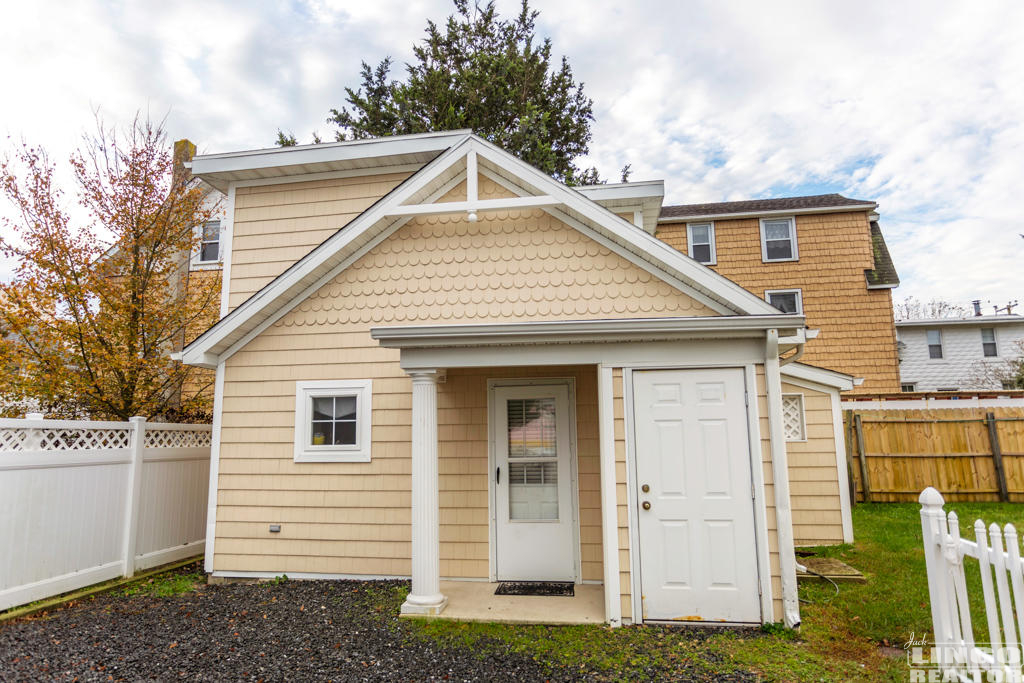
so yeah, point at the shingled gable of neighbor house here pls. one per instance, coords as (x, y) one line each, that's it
(431, 184)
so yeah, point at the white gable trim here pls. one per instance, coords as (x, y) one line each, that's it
(309, 273)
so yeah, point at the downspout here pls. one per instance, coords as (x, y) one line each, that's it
(780, 472)
(792, 357)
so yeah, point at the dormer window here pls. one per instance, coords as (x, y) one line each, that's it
(209, 244)
(778, 239)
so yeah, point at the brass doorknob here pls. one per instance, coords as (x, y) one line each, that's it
(646, 505)
(645, 488)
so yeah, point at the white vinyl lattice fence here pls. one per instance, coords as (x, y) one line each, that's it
(958, 653)
(83, 502)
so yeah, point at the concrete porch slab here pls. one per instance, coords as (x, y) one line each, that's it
(476, 601)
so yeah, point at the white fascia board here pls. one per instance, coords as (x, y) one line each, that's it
(772, 212)
(703, 277)
(278, 157)
(980, 321)
(423, 336)
(809, 373)
(638, 190)
(246, 316)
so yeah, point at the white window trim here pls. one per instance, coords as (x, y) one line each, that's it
(803, 416)
(912, 385)
(208, 265)
(305, 392)
(792, 232)
(795, 290)
(711, 238)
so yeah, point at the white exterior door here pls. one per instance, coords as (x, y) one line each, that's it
(533, 503)
(698, 553)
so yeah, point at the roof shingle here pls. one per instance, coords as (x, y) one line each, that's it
(818, 201)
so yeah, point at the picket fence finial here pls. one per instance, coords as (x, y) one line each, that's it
(930, 497)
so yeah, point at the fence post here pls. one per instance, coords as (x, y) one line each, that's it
(848, 435)
(864, 484)
(34, 437)
(132, 502)
(997, 456)
(933, 525)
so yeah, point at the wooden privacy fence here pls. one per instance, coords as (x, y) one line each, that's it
(969, 454)
(84, 502)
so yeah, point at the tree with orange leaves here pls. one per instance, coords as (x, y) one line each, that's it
(100, 297)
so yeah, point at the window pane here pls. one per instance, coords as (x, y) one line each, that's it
(777, 249)
(699, 234)
(345, 408)
(935, 351)
(776, 230)
(209, 251)
(323, 408)
(785, 302)
(531, 428)
(211, 231)
(934, 337)
(320, 434)
(988, 334)
(533, 490)
(701, 253)
(344, 433)
(989, 349)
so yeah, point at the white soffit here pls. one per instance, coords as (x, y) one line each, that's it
(810, 373)
(645, 196)
(399, 151)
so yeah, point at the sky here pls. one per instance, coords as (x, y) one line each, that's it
(916, 105)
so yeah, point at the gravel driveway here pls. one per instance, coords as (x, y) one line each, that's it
(292, 631)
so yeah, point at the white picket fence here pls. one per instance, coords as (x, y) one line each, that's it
(83, 502)
(957, 653)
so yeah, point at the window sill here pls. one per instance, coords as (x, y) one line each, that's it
(206, 265)
(779, 260)
(332, 456)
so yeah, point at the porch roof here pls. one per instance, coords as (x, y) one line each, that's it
(791, 328)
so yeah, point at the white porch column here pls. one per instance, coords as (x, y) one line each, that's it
(609, 502)
(425, 596)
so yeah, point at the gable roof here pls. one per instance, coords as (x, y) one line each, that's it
(432, 181)
(808, 204)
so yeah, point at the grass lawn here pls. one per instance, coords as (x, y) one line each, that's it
(839, 639)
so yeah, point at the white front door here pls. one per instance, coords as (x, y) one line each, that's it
(698, 554)
(534, 521)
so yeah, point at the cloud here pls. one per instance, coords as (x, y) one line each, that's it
(916, 105)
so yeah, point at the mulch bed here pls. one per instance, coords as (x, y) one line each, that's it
(292, 631)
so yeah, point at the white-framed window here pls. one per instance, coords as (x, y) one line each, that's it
(778, 240)
(700, 242)
(793, 421)
(934, 343)
(908, 386)
(332, 420)
(786, 300)
(209, 243)
(988, 342)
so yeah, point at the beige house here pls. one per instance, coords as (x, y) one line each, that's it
(436, 362)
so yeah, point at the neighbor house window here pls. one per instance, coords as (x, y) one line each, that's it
(786, 300)
(908, 386)
(947, 389)
(988, 341)
(778, 239)
(209, 243)
(700, 238)
(934, 344)
(332, 421)
(793, 417)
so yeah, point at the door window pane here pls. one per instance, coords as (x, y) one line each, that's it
(531, 428)
(533, 490)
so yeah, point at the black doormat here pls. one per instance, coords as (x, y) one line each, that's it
(560, 589)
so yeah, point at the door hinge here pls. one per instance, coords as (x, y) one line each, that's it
(752, 494)
(746, 398)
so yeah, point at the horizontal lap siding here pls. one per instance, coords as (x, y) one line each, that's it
(813, 477)
(857, 330)
(509, 266)
(276, 225)
(769, 494)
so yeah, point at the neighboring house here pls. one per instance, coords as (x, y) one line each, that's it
(822, 256)
(438, 362)
(957, 354)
